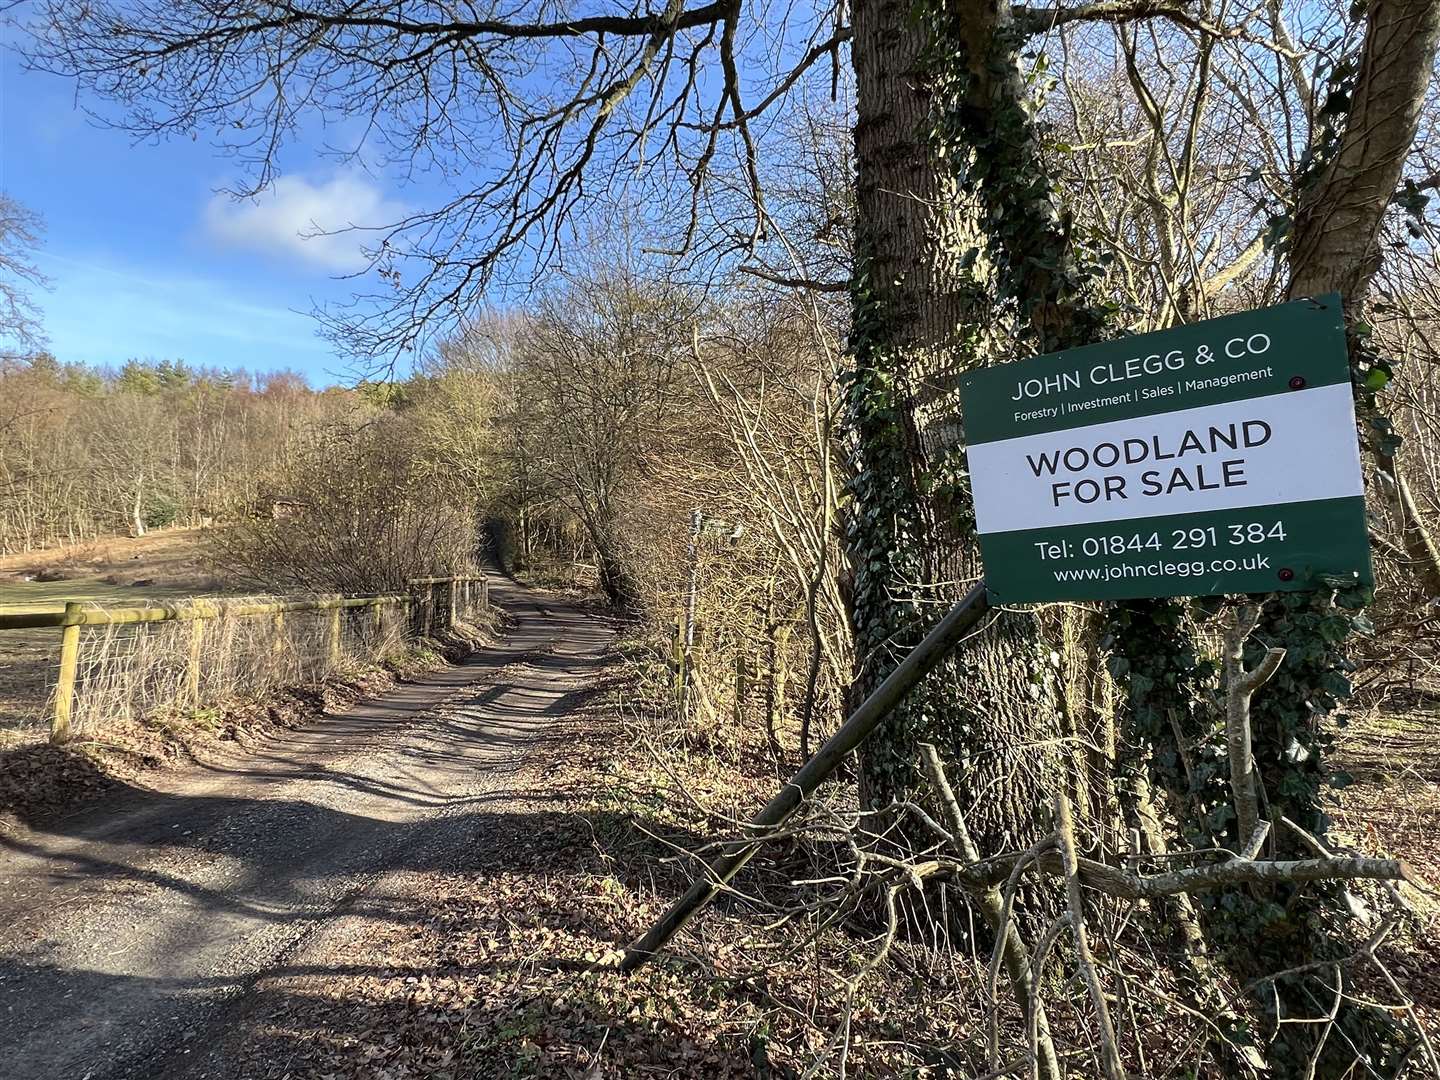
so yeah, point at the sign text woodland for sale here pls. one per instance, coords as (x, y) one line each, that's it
(1216, 457)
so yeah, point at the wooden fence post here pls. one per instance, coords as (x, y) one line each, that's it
(335, 630)
(742, 686)
(192, 670)
(779, 668)
(450, 603)
(69, 664)
(277, 646)
(677, 662)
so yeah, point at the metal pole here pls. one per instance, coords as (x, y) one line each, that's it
(956, 624)
(687, 643)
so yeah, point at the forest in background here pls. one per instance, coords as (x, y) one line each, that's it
(90, 452)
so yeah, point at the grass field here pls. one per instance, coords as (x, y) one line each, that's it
(116, 571)
(111, 570)
(92, 589)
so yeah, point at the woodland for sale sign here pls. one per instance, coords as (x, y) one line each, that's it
(1217, 457)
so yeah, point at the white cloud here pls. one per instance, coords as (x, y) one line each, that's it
(105, 310)
(297, 218)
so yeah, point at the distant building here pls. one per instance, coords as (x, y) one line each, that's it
(285, 506)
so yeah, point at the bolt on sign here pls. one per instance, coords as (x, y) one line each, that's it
(1218, 457)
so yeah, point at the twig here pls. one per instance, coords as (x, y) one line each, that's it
(1240, 687)
(1065, 835)
(992, 907)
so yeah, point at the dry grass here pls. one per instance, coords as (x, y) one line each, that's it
(127, 672)
(130, 672)
(168, 563)
(1394, 804)
(129, 721)
(38, 780)
(1393, 809)
(116, 570)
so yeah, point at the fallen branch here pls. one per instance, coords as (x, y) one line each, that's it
(1124, 885)
(1069, 863)
(936, 645)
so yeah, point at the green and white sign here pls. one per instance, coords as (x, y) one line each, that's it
(1216, 457)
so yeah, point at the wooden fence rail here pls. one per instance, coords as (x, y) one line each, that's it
(432, 604)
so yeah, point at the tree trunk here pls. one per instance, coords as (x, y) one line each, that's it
(1341, 209)
(905, 317)
(899, 186)
(1338, 217)
(615, 581)
(137, 519)
(1333, 244)
(916, 307)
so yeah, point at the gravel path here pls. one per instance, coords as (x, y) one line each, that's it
(130, 934)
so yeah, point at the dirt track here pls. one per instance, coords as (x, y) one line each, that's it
(129, 934)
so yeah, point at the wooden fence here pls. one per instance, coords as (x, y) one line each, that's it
(429, 607)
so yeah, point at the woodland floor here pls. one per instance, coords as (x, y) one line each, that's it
(480, 855)
(489, 979)
(1393, 808)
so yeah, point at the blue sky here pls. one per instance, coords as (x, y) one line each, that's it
(149, 259)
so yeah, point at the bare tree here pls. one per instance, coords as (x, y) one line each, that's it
(19, 278)
(527, 111)
(357, 510)
(605, 356)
